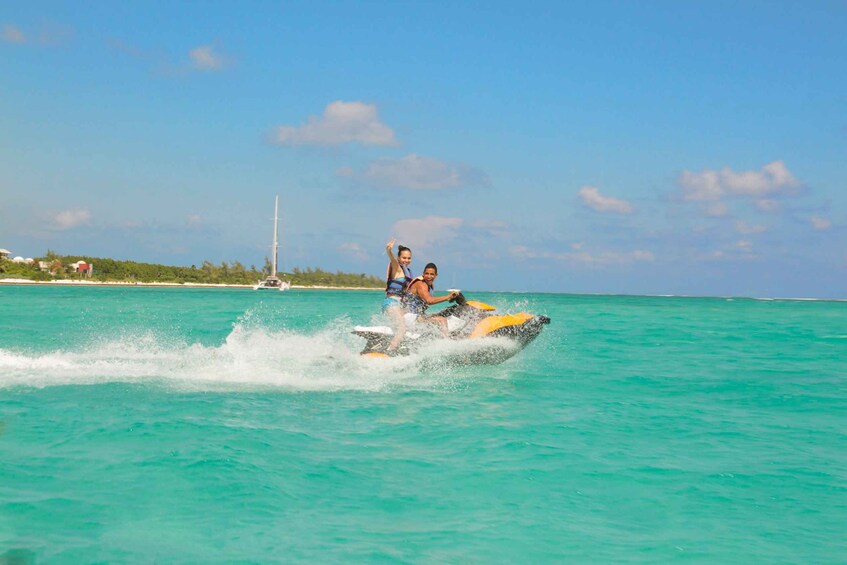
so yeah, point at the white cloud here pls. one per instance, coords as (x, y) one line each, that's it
(497, 228)
(741, 250)
(415, 172)
(48, 34)
(744, 246)
(353, 250)
(194, 219)
(342, 122)
(819, 223)
(767, 205)
(592, 198)
(12, 34)
(67, 219)
(425, 232)
(642, 255)
(578, 255)
(717, 209)
(204, 58)
(712, 185)
(744, 228)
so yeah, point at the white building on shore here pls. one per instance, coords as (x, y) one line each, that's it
(54, 267)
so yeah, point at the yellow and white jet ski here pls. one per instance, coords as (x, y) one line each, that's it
(467, 320)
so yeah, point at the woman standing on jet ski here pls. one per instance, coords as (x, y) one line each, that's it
(419, 297)
(397, 280)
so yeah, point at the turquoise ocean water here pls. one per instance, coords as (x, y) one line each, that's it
(219, 425)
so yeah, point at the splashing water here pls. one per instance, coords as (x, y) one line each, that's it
(250, 357)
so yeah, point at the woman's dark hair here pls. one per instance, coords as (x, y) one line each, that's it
(402, 248)
(431, 266)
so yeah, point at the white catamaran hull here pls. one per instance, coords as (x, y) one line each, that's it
(272, 284)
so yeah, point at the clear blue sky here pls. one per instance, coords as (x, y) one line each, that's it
(610, 147)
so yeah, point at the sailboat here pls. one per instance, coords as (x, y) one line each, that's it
(273, 282)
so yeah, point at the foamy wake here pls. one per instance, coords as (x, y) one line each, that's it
(248, 359)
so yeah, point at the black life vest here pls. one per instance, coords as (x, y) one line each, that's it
(412, 302)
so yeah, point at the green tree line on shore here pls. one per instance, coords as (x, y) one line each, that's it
(112, 270)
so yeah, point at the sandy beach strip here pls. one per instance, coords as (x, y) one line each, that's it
(68, 282)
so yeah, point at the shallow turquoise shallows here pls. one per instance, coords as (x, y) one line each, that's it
(177, 425)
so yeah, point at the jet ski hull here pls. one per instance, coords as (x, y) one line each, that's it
(486, 338)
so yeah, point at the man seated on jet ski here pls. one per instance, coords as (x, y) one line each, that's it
(419, 297)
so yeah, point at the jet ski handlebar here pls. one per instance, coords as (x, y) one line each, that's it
(459, 299)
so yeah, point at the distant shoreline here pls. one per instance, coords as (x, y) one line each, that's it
(68, 282)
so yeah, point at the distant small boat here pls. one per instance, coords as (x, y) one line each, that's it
(273, 282)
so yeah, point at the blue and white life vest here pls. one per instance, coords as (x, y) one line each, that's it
(397, 287)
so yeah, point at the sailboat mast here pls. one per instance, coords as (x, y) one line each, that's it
(276, 246)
